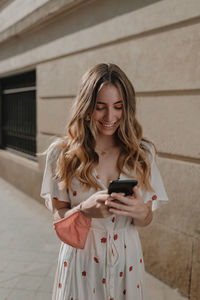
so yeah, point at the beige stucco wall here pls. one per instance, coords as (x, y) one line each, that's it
(157, 44)
(12, 12)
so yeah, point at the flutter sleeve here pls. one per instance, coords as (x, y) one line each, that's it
(72, 230)
(159, 196)
(50, 189)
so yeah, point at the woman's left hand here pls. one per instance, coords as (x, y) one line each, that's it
(132, 206)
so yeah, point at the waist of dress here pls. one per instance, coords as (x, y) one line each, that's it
(111, 230)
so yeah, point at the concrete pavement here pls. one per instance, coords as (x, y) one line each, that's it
(29, 250)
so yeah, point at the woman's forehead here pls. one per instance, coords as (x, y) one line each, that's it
(108, 92)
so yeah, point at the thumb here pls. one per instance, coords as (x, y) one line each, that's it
(136, 192)
(99, 205)
(149, 204)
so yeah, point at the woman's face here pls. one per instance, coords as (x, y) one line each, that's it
(108, 110)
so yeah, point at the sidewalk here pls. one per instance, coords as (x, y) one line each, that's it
(29, 250)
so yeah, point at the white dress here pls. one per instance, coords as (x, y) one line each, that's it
(111, 266)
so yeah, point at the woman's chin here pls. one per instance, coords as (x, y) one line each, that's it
(107, 132)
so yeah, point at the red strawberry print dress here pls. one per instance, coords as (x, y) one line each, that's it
(111, 266)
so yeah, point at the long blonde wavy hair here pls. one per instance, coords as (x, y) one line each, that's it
(78, 157)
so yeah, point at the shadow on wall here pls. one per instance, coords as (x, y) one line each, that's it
(98, 12)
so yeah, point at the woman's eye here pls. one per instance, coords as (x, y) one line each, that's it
(101, 107)
(118, 106)
(98, 107)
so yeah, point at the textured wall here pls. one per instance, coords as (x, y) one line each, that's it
(13, 11)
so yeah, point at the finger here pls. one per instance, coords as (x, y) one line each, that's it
(106, 198)
(107, 214)
(103, 192)
(136, 192)
(103, 198)
(119, 194)
(99, 205)
(149, 204)
(119, 212)
(119, 206)
(120, 197)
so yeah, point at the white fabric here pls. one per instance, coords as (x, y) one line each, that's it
(111, 264)
(50, 188)
(155, 181)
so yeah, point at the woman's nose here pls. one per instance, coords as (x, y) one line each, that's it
(108, 115)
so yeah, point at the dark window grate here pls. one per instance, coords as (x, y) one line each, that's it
(19, 113)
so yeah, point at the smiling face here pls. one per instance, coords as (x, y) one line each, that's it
(108, 109)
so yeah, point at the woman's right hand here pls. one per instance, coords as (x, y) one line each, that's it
(94, 206)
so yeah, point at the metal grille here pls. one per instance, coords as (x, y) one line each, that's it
(19, 113)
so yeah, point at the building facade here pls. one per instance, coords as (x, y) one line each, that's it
(157, 44)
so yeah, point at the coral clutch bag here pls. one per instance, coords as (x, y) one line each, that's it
(73, 230)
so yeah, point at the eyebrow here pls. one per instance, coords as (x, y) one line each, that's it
(100, 102)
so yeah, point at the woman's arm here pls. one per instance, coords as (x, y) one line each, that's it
(90, 208)
(62, 209)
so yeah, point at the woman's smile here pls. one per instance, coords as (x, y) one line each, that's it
(108, 125)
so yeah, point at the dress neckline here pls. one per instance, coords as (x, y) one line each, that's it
(100, 181)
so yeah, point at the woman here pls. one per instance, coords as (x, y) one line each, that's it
(104, 142)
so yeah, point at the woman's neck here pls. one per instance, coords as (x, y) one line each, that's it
(105, 142)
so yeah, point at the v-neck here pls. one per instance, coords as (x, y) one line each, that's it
(100, 181)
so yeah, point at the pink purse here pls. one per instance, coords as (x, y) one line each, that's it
(73, 230)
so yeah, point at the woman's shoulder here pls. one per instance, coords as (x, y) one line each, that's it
(54, 149)
(149, 147)
(147, 144)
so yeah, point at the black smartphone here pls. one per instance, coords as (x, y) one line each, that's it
(122, 186)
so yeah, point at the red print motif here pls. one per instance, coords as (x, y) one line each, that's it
(103, 240)
(96, 259)
(131, 268)
(74, 193)
(121, 274)
(65, 264)
(60, 285)
(154, 197)
(84, 273)
(55, 198)
(113, 253)
(113, 219)
(115, 237)
(138, 286)
(97, 176)
(103, 280)
(111, 298)
(140, 260)
(124, 291)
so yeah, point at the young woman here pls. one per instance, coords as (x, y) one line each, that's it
(100, 255)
